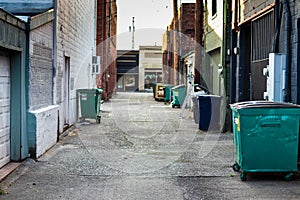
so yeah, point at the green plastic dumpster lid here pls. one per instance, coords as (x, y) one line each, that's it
(262, 104)
(178, 86)
(99, 90)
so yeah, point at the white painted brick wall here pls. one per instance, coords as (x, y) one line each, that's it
(75, 31)
(41, 67)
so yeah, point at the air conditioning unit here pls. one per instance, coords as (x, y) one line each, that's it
(276, 77)
(96, 65)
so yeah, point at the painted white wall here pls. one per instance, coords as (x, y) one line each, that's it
(75, 39)
(46, 128)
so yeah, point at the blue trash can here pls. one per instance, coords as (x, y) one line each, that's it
(196, 105)
(209, 112)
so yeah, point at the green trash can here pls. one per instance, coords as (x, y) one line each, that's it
(178, 95)
(167, 92)
(266, 137)
(90, 103)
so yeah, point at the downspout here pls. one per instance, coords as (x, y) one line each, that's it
(54, 51)
(54, 65)
(278, 17)
(287, 40)
(24, 150)
(233, 56)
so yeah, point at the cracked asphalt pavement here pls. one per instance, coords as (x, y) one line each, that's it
(141, 149)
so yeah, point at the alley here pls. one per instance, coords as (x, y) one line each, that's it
(141, 149)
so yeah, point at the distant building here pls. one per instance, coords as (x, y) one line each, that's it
(106, 46)
(150, 66)
(178, 40)
(127, 70)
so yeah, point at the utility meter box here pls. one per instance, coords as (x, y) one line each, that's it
(276, 77)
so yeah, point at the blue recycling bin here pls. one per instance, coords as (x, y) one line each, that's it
(195, 97)
(209, 112)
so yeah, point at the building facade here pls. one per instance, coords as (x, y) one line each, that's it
(178, 41)
(13, 51)
(268, 27)
(42, 113)
(60, 39)
(75, 46)
(150, 66)
(106, 46)
(127, 71)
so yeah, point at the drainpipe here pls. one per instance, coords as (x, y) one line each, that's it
(287, 40)
(233, 56)
(54, 64)
(278, 17)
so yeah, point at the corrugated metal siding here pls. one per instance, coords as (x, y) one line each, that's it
(262, 35)
(262, 31)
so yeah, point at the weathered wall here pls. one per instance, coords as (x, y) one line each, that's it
(106, 46)
(41, 66)
(252, 7)
(75, 40)
(42, 130)
(13, 43)
(42, 115)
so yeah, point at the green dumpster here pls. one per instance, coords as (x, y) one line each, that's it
(266, 137)
(167, 92)
(178, 95)
(89, 103)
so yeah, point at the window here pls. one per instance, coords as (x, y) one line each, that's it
(213, 7)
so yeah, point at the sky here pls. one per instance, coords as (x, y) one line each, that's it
(151, 20)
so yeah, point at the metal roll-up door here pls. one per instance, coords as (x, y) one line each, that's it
(4, 109)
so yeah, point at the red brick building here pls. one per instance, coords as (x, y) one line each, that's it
(178, 41)
(106, 46)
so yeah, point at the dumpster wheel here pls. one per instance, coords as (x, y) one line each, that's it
(98, 120)
(243, 176)
(288, 177)
(236, 167)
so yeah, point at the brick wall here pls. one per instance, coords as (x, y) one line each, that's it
(187, 27)
(75, 40)
(106, 45)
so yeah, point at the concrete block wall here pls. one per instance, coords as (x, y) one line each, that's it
(41, 66)
(75, 40)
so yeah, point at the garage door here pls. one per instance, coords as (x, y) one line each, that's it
(4, 110)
